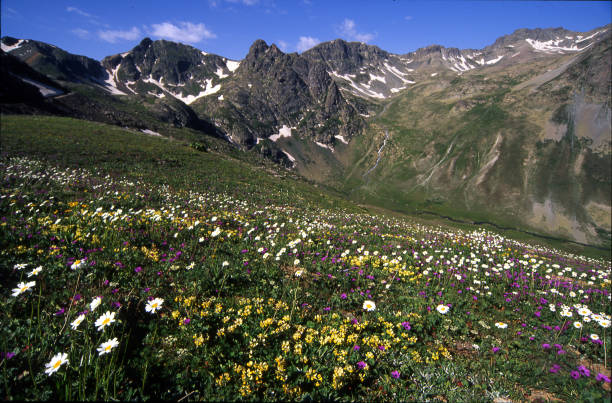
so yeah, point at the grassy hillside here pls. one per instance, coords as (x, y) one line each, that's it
(138, 268)
(221, 168)
(490, 149)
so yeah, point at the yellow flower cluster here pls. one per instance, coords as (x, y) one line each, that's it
(198, 339)
(251, 376)
(313, 376)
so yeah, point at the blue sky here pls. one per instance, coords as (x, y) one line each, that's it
(229, 27)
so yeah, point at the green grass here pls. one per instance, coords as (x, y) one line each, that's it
(423, 124)
(269, 288)
(69, 142)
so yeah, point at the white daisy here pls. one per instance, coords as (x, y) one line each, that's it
(369, 305)
(584, 311)
(107, 346)
(78, 264)
(95, 303)
(23, 287)
(501, 325)
(57, 361)
(75, 323)
(35, 271)
(442, 309)
(105, 320)
(154, 305)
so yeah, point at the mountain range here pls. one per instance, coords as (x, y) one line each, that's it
(516, 134)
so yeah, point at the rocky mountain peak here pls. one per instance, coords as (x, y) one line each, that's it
(344, 56)
(257, 48)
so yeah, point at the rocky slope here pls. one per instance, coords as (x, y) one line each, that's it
(517, 132)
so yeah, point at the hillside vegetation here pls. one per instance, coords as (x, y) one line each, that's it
(141, 267)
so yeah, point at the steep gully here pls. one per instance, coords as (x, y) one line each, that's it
(379, 153)
(384, 141)
(476, 223)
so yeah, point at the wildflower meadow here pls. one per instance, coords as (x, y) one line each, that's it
(117, 286)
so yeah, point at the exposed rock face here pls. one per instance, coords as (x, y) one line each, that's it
(535, 103)
(272, 89)
(53, 61)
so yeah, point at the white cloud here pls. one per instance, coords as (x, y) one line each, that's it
(78, 11)
(81, 33)
(348, 30)
(184, 32)
(215, 3)
(283, 45)
(307, 42)
(113, 36)
(245, 2)
(408, 17)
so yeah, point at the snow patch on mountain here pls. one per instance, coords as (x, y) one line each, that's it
(232, 65)
(360, 89)
(10, 48)
(324, 146)
(162, 95)
(111, 82)
(209, 89)
(151, 132)
(581, 39)
(291, 158)
(497, 59)
(552, 46)
(284, 131)
(460, 64)
(379, 78)
(341, 138)
(221, 73)
(44, 89)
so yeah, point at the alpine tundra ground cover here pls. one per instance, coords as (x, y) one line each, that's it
(124, 283)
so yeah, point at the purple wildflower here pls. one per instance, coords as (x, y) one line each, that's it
(555, 368)
(356, 348)
(495, 349)
(575, 374)
(601, 377)
(584, 371)
(395, 374)
(361, 365)
(138, 269)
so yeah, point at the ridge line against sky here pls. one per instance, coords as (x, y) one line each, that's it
(229, 27)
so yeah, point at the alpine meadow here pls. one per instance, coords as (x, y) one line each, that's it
(339, 223)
